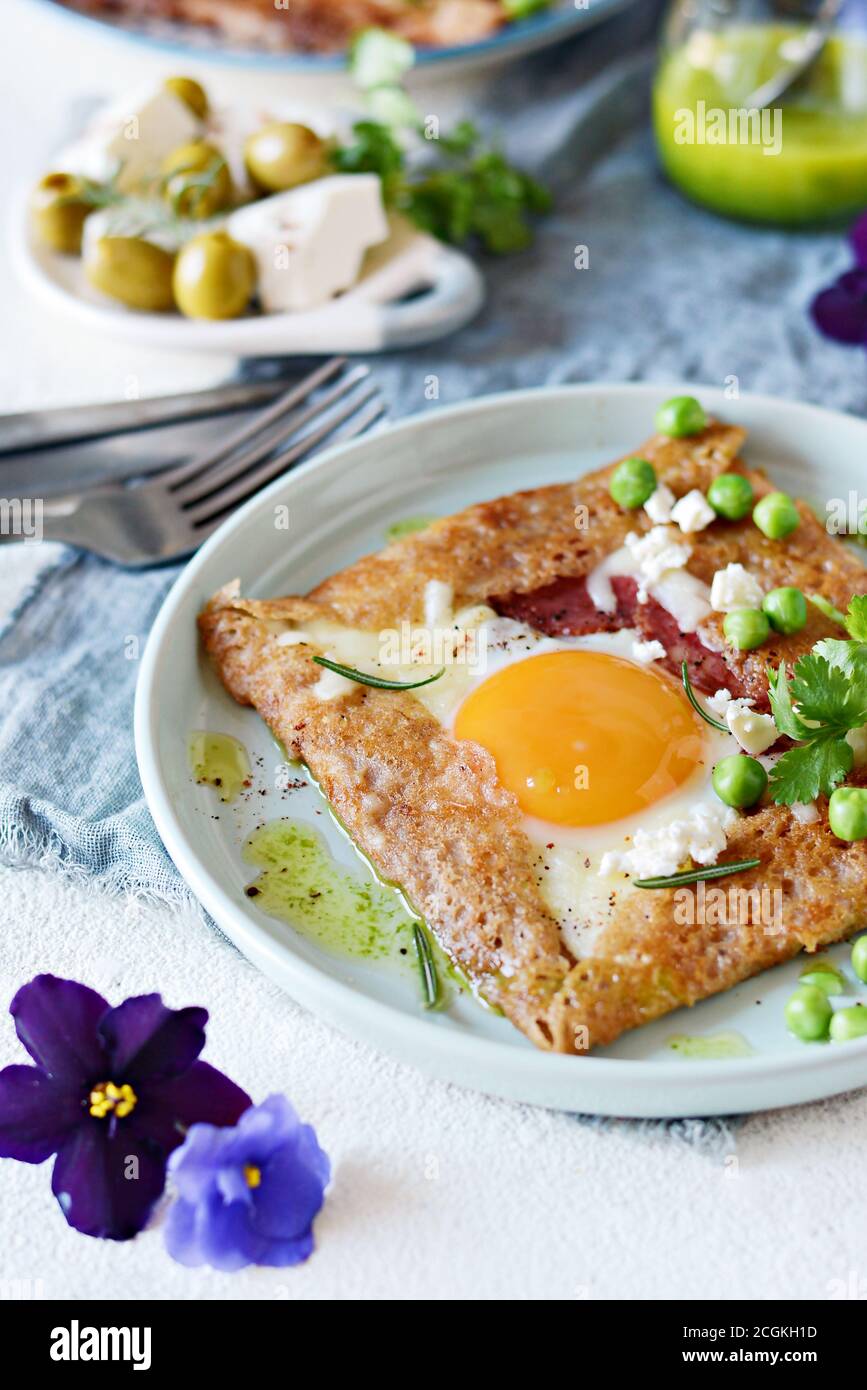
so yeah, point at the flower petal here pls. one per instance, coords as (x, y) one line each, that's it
(107, 1180)
(840, 312)
(56, 1021)
(202, 1095)
(36, 1114)
(858, 239)
(146, 1041)
(211, 1233)
(292, 1188)
(218, 1234)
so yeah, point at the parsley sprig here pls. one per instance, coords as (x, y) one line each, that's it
(450, 184)
(826, 697)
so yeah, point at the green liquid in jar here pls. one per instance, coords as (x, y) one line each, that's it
(819, 173)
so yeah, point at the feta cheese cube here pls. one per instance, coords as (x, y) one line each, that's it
(755, 733)
(734, 587)
(309, 243)
(134, 136)
(806, 812)
(693, 512)
(659, 504)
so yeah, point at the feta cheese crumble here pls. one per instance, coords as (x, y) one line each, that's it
(645, 652)
(656, 552)
(659, 504)
(700, 836)
(807, 812)
(693, 512)
(734, 587)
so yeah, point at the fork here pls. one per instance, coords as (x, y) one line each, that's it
(148, 522)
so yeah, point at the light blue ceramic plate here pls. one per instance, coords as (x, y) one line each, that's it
(514, 41)
(340, 506)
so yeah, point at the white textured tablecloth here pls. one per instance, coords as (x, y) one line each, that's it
(437, 1193)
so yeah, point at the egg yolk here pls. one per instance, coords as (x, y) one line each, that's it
(582, 737)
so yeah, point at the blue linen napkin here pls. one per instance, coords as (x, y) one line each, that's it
(671, 293)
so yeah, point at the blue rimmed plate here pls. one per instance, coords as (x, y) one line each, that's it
(340, 505)
(562, 19)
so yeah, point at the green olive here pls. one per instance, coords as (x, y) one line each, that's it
(58, 209)
(214, 277)
(191, 93)
(196, 180)
(134, 271)
(282, 155)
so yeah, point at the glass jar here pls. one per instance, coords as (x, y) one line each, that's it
(800, 160)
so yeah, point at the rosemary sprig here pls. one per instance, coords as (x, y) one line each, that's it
(697, 875)
(825, 606)
(690, 695)
(187, 187)
(427, 966)
(377, 682)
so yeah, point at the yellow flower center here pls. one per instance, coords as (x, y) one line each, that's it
(108, 1099)
(252, 1175)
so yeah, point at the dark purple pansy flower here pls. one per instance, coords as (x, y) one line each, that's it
(112, 1093)
(858, 239)
(840, 312)
(247, 1195)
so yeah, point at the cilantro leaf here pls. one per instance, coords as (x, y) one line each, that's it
(780, 695)
(856, 618)
(850, 657)
(827, 695)
(810, 770)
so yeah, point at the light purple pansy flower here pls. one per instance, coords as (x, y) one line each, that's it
(247, 1195)
(113, 1092)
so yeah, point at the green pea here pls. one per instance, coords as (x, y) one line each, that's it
(847, 813)
(859, 958)
(824, 977)
(809, 1013)
(680, 416)
(731, 496)
(632, 482)
(848, 1024)
(776, 516)
(746, 628)
(787, 609)
(739, 780)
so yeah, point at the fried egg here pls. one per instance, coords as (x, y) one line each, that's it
(599, 745)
